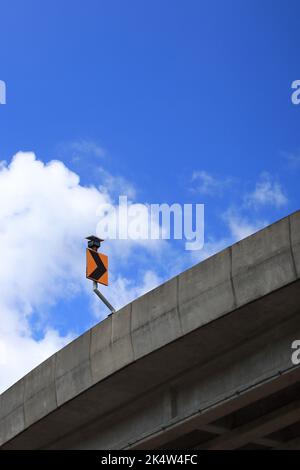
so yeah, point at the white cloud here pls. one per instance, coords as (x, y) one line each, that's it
(238, 225)
(115, 185)
(241, 226)
(81, 150)
(19, 352)
(267, 192)
(240, 221)
(293, 159)
(206, 184)
(45, 215)
(112, 184)
(83, 147)
(211, 247)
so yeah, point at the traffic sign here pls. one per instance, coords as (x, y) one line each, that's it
(97, 266)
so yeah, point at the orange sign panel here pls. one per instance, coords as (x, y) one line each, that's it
(97, 266)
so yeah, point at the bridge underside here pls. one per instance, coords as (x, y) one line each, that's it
(272, 422)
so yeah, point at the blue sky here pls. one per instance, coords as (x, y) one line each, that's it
(179, 101)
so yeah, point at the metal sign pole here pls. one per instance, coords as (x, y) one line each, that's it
(101, 297)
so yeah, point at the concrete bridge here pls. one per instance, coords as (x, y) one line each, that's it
(203, 361)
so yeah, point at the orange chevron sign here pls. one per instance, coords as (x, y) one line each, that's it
(97, 266)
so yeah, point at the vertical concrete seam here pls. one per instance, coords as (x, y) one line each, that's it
(55, 388)
(90, 356)
(177, 302)
(130, 328)
(112, 329)
(291, 248)
(23, 402)
(90, 348)
(231, 278)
